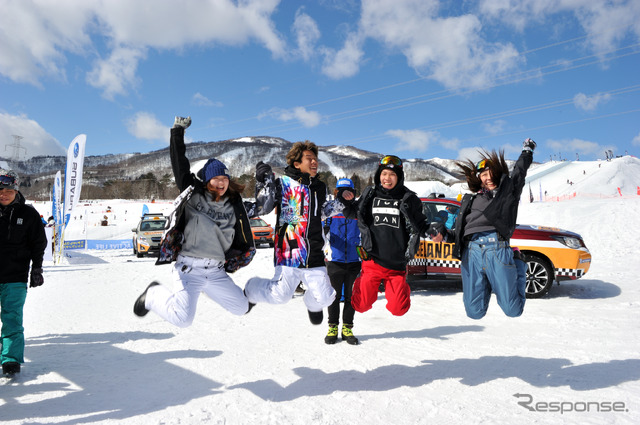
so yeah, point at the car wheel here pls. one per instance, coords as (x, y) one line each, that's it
(539, 276)
(135, 251)
(139, 255)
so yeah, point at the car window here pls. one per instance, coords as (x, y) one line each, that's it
(258, 222)
(446, 214)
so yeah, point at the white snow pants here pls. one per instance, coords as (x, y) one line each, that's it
(280, 288)
(191, 277)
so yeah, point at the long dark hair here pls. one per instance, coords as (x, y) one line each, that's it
(495, 162)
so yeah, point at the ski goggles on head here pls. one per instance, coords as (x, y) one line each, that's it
(392, 161)
(6, 180)
(482, 165)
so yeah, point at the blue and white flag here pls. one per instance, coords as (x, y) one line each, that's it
(73, 175)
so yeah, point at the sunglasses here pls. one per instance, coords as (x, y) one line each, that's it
(7, 180)
(391, 160)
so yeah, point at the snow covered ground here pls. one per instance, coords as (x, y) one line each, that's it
(573, 357)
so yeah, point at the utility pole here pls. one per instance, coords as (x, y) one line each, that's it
(16, 147)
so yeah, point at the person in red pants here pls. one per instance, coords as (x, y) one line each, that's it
(391, 222)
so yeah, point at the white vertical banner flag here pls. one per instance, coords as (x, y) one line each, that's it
(56, 212)
(73, 175)
(56, 204)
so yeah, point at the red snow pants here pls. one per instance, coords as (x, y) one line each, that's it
(396, 289)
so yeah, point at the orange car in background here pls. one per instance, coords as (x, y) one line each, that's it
(262, 231)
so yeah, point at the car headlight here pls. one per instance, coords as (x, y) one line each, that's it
(573, 243)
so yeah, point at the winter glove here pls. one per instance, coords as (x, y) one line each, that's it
(263, 171)
(528, 145)
(182, 122)
(36, 277)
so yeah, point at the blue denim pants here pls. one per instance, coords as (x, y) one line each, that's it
(12, 298)
(488, 265)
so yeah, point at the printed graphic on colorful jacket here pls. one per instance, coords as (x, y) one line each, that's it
(291, 246)
(386, 212)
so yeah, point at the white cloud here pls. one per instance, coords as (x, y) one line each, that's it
(606, 23)
(117, 74)
(145, 125)
(448, 49)
(34, 38)
(569, 147)
(201, 100)
(589, 103)
(35, 139)
(636, 140)
(420, 140)
(299, 113)
(307, 34)
(494, 127)
(472, 153)
(345, 62)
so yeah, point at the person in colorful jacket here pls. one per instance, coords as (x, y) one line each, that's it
(391, 222)
(216, 240)
(22, 244)
(298, 198)
(343, 263)
(485, 223)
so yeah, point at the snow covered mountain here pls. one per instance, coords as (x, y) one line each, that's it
(240, 155)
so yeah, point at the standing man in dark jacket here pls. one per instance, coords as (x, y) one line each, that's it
(485, 223)
(298, 197)
(391, 222)
(22, 242)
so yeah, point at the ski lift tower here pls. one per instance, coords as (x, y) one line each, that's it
(16, 148)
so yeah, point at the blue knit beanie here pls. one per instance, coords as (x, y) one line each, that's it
(213, 168)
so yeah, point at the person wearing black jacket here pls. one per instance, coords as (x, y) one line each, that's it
(298, 197)
(216, 240)
(485, 223)
(22, 243)
(391, 222)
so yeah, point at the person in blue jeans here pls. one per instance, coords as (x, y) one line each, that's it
(22, 244)
(485, 223)
(342, 237)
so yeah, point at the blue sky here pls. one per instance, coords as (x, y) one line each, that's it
(415, 78)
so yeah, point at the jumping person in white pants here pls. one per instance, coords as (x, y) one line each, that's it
(216, 240)
(300, 200)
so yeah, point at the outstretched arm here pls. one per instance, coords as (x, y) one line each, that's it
(266, 189)
(177, 150)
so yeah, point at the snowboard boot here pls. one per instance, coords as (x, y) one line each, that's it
(139, 308)
(10, 368)
(251, 305)
(332, 335)
(347, 335)
(315, 317)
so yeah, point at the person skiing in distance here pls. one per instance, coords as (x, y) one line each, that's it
(217, 240)
(485, 223)
(342, 237)
(298, 198)
(391, 222)
(22, 244)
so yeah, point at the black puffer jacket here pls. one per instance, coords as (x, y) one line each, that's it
(502, 212)
(22, 240)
